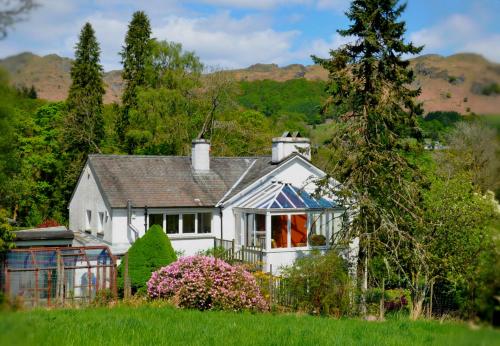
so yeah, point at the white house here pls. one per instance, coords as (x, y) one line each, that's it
(263, 203)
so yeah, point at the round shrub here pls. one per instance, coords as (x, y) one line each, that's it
(207, 283)
(148, 253)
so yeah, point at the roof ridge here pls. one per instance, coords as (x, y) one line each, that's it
(174, 156)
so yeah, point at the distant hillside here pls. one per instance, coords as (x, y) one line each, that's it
(50, 75)
(456, 83)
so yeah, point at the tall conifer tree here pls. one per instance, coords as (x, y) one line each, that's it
(136, 59)
(371, 80)
(85, 99)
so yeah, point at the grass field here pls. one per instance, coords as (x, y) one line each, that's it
(167, 326)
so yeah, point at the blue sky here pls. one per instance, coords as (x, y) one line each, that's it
(238, 33)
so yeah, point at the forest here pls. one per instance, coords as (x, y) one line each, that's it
(420, 213)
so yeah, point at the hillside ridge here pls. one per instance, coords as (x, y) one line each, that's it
(452, 83)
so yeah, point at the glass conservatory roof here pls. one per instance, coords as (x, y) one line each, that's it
(285, 196)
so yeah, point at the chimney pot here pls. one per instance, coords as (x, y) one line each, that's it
(200, 155)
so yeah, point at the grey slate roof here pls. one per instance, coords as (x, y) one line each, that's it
(169, 181)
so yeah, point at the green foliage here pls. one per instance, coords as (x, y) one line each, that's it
(84, 122)
(166, 114)
(148, 254)
(437, 124)
(149, 324)
(136, 59)
(295, 97)
(491, 89)
(6, 235)
(370, 80)
(320, 284)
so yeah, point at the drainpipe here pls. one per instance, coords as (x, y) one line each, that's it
(145, 219)
(129, 221)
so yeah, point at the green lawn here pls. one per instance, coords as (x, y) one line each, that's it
(161, 326)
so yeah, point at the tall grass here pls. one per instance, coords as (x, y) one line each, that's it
(161, 326)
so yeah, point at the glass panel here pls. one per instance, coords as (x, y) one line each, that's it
(260, 223)
(299, 230)
(173, 224)
(310, 202)
(204, 222)
(292, 196)
(156, 219)
(283, 201)
(279, 231)
(250, 234)
(188, 223)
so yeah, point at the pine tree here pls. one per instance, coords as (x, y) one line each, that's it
(85, 124)
(136, 59)
(371, 81)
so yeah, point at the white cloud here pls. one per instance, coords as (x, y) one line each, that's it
(222, 40)
(321, 47)
(487, 46)
(459, 33)
(452, 31)
(337, 5)
(255, 4)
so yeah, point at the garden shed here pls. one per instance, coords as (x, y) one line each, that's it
(52, 276)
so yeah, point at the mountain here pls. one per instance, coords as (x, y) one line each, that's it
(462, 82)
(50, 74)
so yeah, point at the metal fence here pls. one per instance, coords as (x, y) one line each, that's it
(55, 276)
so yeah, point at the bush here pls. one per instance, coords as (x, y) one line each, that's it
(206, 283)
(317, 240)
(147, 254)
(320, 284)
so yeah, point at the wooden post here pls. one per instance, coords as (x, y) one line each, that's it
(126, 283)
(429, 312)
(232, 249)
(382, 301)
(270, 284)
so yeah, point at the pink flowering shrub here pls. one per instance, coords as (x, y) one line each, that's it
(206, 283)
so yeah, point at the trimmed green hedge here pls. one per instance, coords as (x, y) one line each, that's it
(148, 254)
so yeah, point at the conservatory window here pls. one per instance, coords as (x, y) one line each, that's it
(279, 231)
(299, 230)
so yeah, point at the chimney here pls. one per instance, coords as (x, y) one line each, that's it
(288, 144)
(200, 155)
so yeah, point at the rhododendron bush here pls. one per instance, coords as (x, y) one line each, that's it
(207, 283)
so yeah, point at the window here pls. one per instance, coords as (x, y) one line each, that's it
(279, 231)
(299, 230)
(188, 225)
(88, 220)
(205, 223)
(156, 219)
(172, 224)
(100, 223)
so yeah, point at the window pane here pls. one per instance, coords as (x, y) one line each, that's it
(172, 224)
(204, 222)
(279, 229)
(188, 223)
(156, 219)
(299, 230)
(260, 223)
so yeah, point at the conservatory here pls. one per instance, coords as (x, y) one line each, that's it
(285, 222)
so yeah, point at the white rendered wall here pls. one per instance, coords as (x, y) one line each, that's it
(188, 244)
(88, 197)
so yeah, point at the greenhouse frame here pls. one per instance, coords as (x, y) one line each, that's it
(57, 276)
